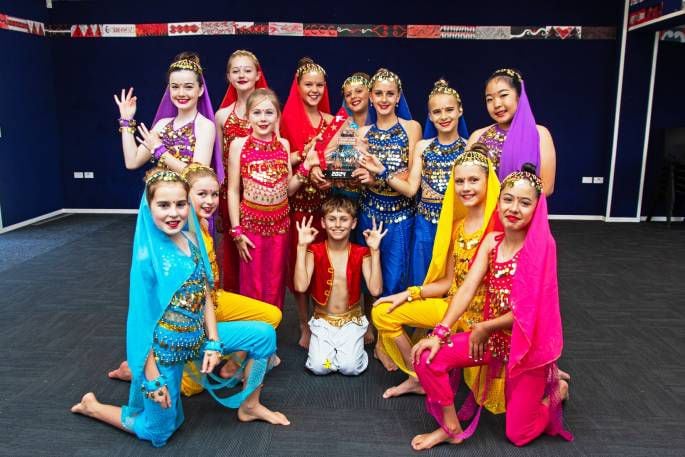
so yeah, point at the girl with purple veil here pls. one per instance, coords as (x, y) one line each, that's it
(183, 129)
(515, 138)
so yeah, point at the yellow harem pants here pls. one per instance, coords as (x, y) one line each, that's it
(426, 314)
(232, 307)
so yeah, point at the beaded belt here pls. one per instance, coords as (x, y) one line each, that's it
(265, 219)
(354, 315)
(386, 208)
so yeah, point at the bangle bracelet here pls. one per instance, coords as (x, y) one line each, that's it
(213, 345)
(236, 232)
(150, 387)
(383, 174)
(127, 125)
(158, 152)
(414, 293)
(302, 171)
(442, 332)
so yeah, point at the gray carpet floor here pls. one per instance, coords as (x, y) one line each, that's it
(64, 288)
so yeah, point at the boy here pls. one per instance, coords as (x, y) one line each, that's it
(334, 269)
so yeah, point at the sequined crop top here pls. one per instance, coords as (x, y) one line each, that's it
(264, 169)
(234, 127)
(500, 280)
(464, 250)
(438, 161)
(180, 142)
(309, 198)
(493, 138)
(179, 334)
(391, 146)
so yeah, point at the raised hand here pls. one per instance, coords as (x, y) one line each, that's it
(374, 235)
(371, 163)
(148, 138)
(126, 104)
(306, 234)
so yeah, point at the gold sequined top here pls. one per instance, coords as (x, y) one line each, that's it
(465, 247)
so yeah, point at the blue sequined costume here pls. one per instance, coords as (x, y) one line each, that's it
(391, 146)
(438, 161)
(166, 316)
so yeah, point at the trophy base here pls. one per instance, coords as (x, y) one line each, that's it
(338, 174)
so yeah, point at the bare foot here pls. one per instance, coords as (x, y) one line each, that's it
(123, 372)
(563, 390)
(229, 369)
(261, 412)
(274, 361)
(305, 336)
(86, 405)
(563, 375)
(380, 354)
(369, 337)
(410, 386)
(428, 440)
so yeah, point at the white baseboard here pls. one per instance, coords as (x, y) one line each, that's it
(574, 217)
(663, 218)
(33, 220)
(99, 211)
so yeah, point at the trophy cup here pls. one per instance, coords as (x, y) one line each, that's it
(342, 161)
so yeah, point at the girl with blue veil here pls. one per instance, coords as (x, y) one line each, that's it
(390, 139)
(433, 160)
(171, 316)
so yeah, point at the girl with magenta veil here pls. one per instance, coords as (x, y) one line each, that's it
(171, 319)
(520, 336)
(244, 74)
(507, 104)
(183, 128)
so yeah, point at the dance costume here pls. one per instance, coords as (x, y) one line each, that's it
(337, 341)
(264, 172)
(526, 285)
(166, 318)
(438, 161)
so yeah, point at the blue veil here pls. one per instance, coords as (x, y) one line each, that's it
(158, 269)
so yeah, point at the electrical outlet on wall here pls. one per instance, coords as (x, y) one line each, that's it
(586, 180)
(88, 175)
(78, 175)
(598, 180)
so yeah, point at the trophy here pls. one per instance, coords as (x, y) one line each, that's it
(342, 161)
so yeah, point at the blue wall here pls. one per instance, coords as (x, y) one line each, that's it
(571, 84)
(30, 155)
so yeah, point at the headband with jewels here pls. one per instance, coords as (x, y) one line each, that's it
(385, 75)
(355, 79)
(472, 157)
(513, 74)
(443, 88)
(515, 176)
(164, 175)
(196, 167)
(310, 67)
(186, 64)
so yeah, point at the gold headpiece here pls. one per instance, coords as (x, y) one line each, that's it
(442, 88)
(186, 64)
(310, 67)
(513, 74)
(385, 75)
(163, 175)
(515, 176)
(195, 167)
(472, 157)
(355, 79)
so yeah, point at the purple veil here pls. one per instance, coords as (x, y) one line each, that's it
(523, 140)
(204, 106)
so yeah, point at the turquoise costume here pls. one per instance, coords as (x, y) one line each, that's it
(438, 161)
(166, 316)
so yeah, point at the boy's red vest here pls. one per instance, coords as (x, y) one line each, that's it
(322, 278)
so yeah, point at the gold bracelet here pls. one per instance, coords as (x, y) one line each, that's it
(414, 293)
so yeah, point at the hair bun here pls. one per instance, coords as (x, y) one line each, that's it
(361, 74)
(440, 83)
(529, 167)
(479, 147)
(304, 61)
(188, 55)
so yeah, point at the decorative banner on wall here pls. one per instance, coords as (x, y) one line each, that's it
(299, 29)
(677, 35)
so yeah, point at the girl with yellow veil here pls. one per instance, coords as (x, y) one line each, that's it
(470, 200)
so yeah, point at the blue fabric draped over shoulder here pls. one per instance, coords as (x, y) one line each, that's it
(158, 269)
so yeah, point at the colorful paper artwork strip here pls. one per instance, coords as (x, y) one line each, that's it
(286, 29)
(314, 30)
